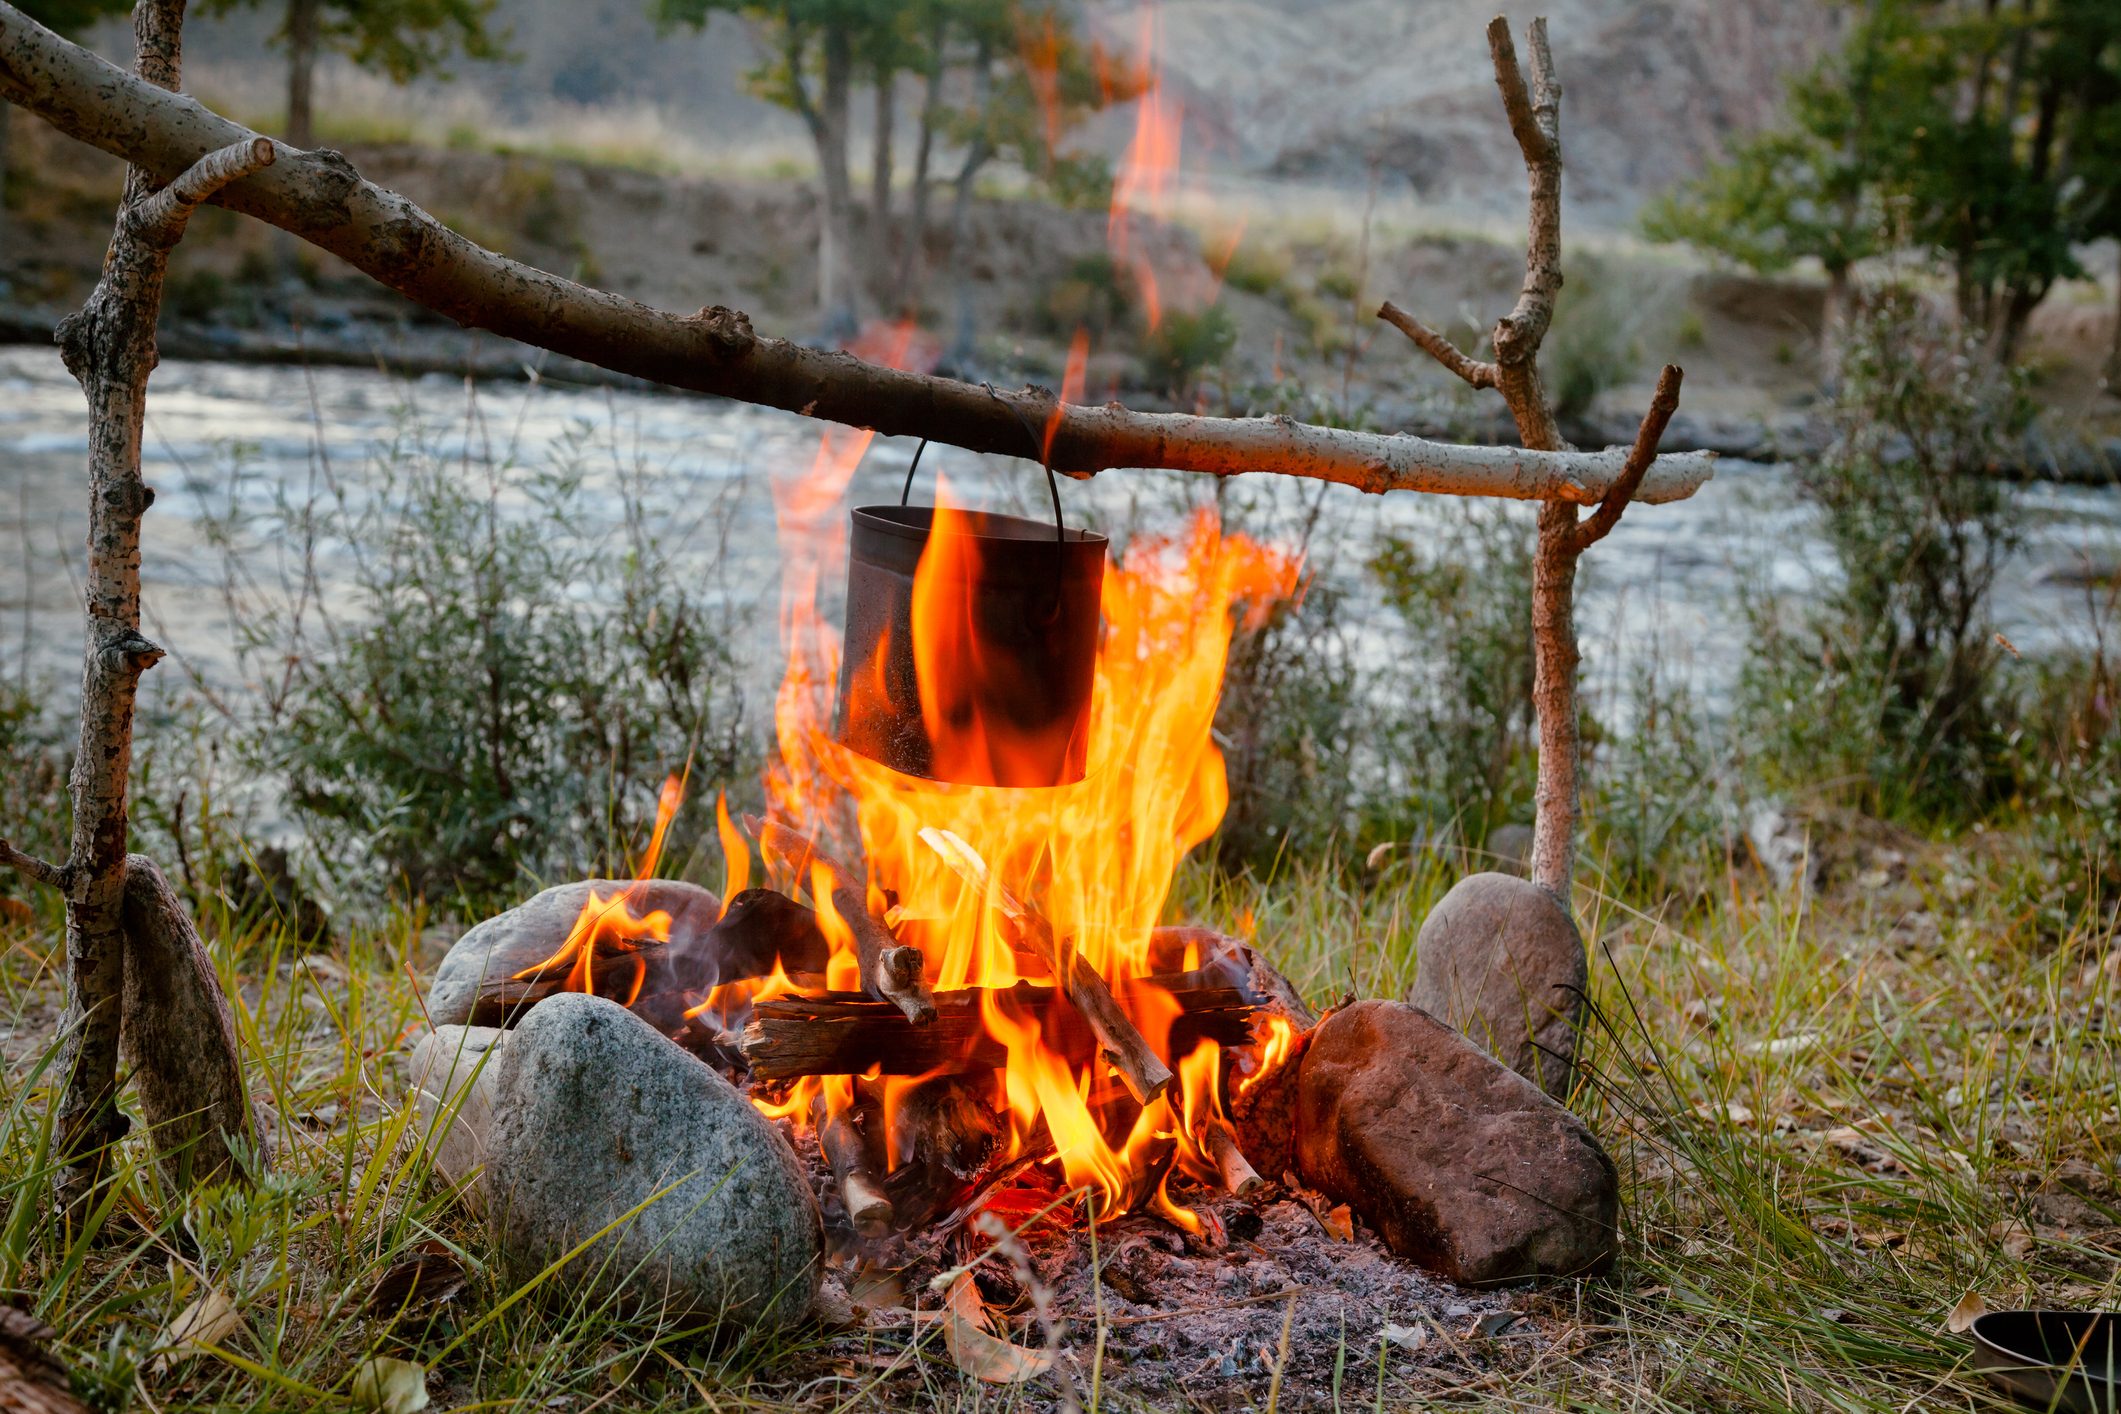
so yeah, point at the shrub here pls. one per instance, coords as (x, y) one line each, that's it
(1096, 295)
(1460, 682)
(1187, 342)
(1291, 713)
(1257, 269)
(1593, 343)
(1890, 681)
(506, 689)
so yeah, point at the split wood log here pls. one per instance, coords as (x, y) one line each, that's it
(321, 198)
(1534, 113)
(179, 1037)
(109, 347)
(890, 972)
(848, 1033)
(1123, 1045)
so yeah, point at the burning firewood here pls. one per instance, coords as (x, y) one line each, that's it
(848, 1033)
(890, 972)
(1123, 1045)
(844, 1138)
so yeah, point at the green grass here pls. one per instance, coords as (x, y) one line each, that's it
(1828, 1132)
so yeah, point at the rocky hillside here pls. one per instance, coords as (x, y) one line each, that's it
(1320, 90)
(1327, 88)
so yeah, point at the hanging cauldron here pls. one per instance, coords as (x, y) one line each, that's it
(1009, 643)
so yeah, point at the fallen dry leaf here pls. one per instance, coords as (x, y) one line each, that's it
(1339, 1222)
(390, 1386)
(973, 1346)
(209, 1320)
(430, 1276)
(1971, 1308)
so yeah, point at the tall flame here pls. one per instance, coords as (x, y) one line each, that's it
(1143, 183)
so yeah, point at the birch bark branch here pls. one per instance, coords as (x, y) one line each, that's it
(321, 198)
(109, 347)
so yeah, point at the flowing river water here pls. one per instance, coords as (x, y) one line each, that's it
(1669, 587)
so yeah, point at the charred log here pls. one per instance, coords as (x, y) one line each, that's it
(848, 1033)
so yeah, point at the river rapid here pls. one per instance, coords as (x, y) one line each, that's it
(1668, 589)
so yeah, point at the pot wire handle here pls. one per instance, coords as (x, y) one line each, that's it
(1045, 460)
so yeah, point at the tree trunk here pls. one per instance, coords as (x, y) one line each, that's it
(964, 339)
(301, 73)
(881, 164)
(1834, 318)
(913, 248)
(839, 306)
(7, 117)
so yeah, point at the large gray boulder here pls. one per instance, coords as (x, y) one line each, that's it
(594, 1112)
(534, 930)
(1501, 960)
(1458, 1163)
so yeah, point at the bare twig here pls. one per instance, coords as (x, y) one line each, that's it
(321, 198)
(1534, 110)
(28, 865)
(1436, 346)
(1662, 406)
(109, 347)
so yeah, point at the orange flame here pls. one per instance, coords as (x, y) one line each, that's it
(610, 922)
(1143, 183)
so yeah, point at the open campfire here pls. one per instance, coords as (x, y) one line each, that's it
(956, 988)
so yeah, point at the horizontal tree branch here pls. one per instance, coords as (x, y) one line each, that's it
(321, 198)
(1435, 345)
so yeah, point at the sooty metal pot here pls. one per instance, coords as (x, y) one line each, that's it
(1021, 602)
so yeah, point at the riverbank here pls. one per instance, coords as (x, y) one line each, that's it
(1269, 315)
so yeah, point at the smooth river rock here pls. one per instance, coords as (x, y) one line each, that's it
(1459, 1163)
(594, 1112)
(1501, 960)
(534, 930)
(453, 1072)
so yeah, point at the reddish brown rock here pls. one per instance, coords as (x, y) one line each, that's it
(1501, 960)
(1458, 1162)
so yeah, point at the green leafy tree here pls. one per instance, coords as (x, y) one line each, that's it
(1815, 188)
(1972, 130)
(997, 77)
(401, 38)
